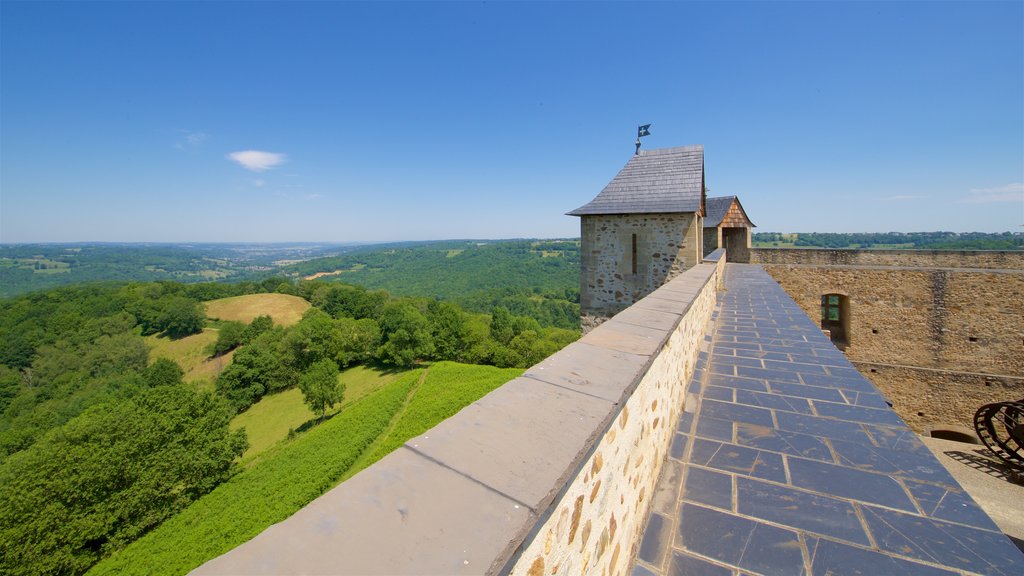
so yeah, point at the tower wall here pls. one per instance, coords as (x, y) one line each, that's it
(666, 245)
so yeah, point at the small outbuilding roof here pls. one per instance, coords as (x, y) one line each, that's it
(663, 180)
(718, 207)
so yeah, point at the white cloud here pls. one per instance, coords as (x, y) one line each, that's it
(259, 183)
(313, 196)
(1010, 193)
(257, 160)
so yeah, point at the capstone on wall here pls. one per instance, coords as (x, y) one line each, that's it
(955, 312)
(666, 245)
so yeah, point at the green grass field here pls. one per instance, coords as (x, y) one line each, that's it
(268, 421)
(285, 309)
(289, 474)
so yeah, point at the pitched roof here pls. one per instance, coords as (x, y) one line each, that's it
(663, 180)
(718, 207)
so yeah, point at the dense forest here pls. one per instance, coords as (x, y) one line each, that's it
(539, 279)
(99, 444)
(883, 240)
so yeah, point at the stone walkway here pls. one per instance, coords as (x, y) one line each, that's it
(788, 461)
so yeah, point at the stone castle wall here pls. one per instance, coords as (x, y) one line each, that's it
(595, 526)
(925, 397)
(995, 259)
(666, 245)
(955, 314)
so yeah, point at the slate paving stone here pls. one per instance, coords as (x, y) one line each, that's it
(799, 509)
(789, 366)
(740, 542)
(708, 487)
(896, 438)
(835, 558)
(678, 448)
(686, 565)
(858, 382)
(823, 427)
(765, 438)
(949, 504)
(858, 413)
(641, 570)
(915, 461)
(774, 401)
(734, 382)
(947, 544)
(746, 461)
(720, 393)
(714, 428)
(735, 412)
(769, 375)
(869, 399)
(736, 361)
(849, 483)
(657, 539)
(805, 391)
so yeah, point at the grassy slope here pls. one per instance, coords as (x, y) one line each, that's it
(190, 353)
(448, 388)
(291, 474)
(268, 421)
(285, 309)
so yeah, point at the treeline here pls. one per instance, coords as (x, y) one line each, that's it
(350, 325)
(919, 240)
(98, 446)
(28, 267)
(539, 279)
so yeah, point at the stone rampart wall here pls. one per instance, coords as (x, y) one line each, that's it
(926, 397)
(993, 259)
(948, 318)
(549, 474)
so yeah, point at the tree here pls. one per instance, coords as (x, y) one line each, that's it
(501, 325)
(406, 334)
(229, 336)
(259, 325)
(449, 330)
(109, 475)
(182, 317)
(314, 338)
(163, 372)
(359, 340)
(320, 386)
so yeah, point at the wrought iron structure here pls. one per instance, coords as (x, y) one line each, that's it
(1001, 427)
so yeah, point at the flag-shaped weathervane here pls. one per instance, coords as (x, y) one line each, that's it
(641, 131)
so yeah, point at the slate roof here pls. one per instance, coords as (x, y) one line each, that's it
(663, 180)
(716, 208)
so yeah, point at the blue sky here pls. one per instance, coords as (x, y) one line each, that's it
(325, 121)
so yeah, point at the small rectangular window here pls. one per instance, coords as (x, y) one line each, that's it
(634, 253)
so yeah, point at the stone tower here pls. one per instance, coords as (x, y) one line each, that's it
(642, 230)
